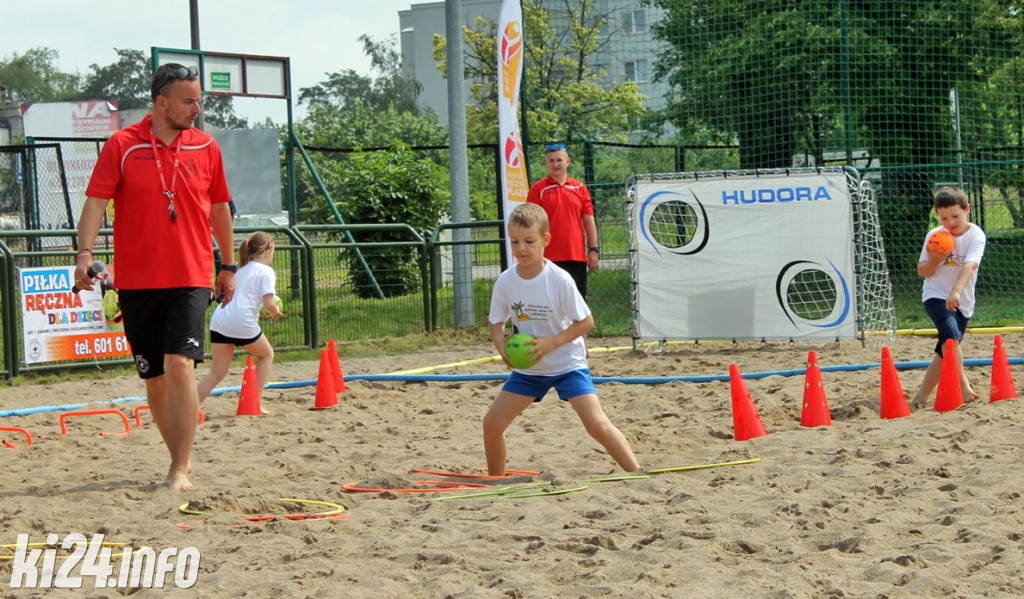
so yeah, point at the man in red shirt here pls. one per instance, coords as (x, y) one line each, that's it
(571, 215)
(168, 185)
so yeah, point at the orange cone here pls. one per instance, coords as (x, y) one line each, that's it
(325, 395)
(815, 411)
(745, 419)
(249, 399)
(1002, 381)
(338, 377)
(948, 397)
(894, 401)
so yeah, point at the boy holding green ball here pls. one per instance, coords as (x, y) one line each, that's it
(542, 300)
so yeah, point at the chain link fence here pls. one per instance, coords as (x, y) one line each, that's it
(914, 96)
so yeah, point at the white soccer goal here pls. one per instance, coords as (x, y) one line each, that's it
(759, 254)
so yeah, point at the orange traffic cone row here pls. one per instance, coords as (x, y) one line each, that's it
(249, 399)
(745, 419)
(815, 411)
(336, 374)
(325, 395)
(948, 397)
(1002, 381)
(894, 401)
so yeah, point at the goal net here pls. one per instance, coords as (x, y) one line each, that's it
(758, 254)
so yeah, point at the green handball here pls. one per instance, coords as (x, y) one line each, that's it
(110, 304)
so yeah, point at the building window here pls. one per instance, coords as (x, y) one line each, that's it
(635, 22)
(637, 71)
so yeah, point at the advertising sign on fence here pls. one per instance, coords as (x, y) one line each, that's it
(60, 325)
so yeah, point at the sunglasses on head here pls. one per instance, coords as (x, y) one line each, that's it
(555, 147)
(184, 72)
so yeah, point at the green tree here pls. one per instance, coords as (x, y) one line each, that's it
(753, 73)
(384, 187)
(363, 126)
(568, 97)
(127, 80)
(770, 75)
(385, 87)
(34, 77)
(388, 183)
(219, 111)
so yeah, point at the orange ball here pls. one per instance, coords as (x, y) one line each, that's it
(940, 242)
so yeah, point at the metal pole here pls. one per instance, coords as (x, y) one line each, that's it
(193, 21)
(458, 161)
(954, 109)
(844, 57)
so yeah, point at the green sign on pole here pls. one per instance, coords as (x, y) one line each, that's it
(220, 81)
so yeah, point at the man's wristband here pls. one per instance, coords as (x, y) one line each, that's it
(83, 253)
(597, 249)
(229, 267)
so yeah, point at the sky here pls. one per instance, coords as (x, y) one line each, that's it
(319, 36)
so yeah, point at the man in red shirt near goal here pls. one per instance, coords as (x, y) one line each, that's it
(571, 215)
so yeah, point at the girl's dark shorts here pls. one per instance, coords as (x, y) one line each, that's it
(216, 337)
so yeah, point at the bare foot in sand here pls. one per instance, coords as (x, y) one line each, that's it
(179, 481)
(969, 394)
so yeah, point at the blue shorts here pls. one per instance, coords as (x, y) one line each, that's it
(950, 324)
(568, 385)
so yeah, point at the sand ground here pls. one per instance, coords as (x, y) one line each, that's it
(924, 506)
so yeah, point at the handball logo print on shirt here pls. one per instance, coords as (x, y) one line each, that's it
(530, 312)
(189, 166)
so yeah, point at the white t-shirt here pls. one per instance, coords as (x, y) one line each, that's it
(542, 306)
(969, 247)
(240, 319)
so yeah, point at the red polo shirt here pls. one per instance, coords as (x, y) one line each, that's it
(150, 251)
(566, 205)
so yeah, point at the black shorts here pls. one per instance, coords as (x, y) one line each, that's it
(164, 321)
(216, 337)
(578, 271)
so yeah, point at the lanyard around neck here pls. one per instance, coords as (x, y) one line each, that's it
(167, 190)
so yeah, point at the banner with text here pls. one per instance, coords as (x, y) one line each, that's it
(511, 46)
(60, 325)
(745, 257)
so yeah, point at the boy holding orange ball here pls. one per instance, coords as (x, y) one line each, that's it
(949, 281)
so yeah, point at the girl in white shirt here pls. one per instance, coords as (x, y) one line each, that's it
(237, 323)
